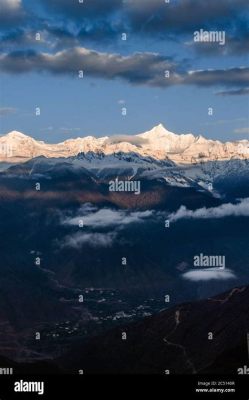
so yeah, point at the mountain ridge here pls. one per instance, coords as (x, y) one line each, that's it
(158, 143)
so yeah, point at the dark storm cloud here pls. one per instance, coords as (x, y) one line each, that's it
(86, 9)
(147, 17)
(153, 15)
(99, 20)
(94, 19)
(186, 15)
(137, 68)
(53, 36)
(103, 20)
(223, 77)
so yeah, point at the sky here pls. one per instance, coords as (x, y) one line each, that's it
(180, 58)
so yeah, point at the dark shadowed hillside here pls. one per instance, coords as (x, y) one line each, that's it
(175, 339)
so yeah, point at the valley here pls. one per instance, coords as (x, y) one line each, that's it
(81, 288)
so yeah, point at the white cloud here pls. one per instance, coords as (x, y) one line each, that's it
(7, 111)
(207, 275)
(95, 219)
(106, 217)
(242, 130)
(137, 68)
(79, 239)
(224, 210)
(136, 141)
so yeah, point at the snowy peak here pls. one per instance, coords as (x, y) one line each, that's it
(159, 138)
(159, 131)
(157, 143)
(17, 135)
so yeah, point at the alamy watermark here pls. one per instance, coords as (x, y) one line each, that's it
(210, 36)
(125, 186)
(212, 261)
(243, 370)
(6, 371)
(6, 150)
(23, 386)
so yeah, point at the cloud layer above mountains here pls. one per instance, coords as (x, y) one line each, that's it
(95, 18)
(138, 68)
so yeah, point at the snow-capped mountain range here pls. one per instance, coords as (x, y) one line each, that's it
(183, 161)
(158, 143)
